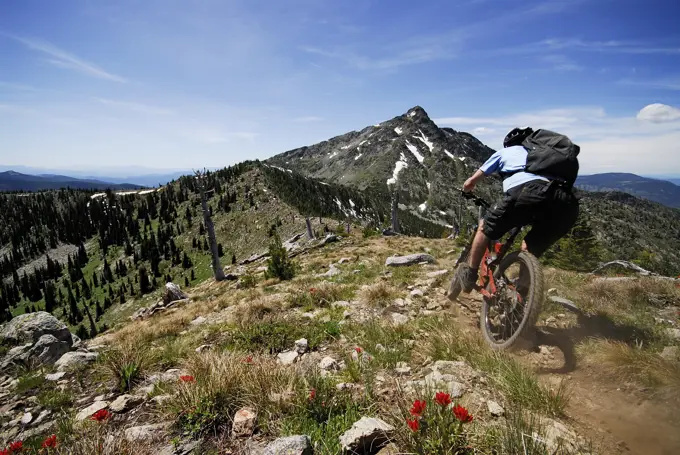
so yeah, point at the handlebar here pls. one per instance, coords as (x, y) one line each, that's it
(476, 199)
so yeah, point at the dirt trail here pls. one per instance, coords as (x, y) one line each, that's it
(616, 420)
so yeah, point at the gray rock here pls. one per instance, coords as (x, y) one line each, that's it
(49, 349)
(456, 389)
(125, 402)
(26, 418)
(77, 342)
(160, 399)
(566, 303)
(551, 320)
(76, 359)
(329, 364)
(287, 358)
(411, 259)
(301, 346)
(495, 409)
(671, 353)
(552, 291)
(402, 369)
(91, 409)
(146, 433)
(28, 328)
(55, 376)
(437, 273)
(417, 293)
(244, 423)
(199, 321)
(330, 238)
(203, 347)
(674, 334)
(368, 435)
(332, 271)
(173, 292)
(398, 318)
(343, 260)
(291, 445)
(41, 418)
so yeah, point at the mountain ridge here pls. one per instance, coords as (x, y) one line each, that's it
(657, 190)
(16, 181)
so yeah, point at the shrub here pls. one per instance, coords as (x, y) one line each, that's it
(279, 264)
(126, 364)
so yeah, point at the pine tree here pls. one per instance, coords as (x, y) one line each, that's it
(95, 280)
(144, 283)
(220, 251)
(579, 250)
(50, 299)
(193, 275)
(233, 259)
(186, 282)
(279, 264)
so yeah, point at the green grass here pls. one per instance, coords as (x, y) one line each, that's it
(30, 381)
(516, 381)
(55, 400)
(369, 335)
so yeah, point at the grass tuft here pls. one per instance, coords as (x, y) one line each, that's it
(126, 365)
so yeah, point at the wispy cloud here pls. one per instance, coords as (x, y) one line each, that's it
(63, 59)
(665, 84)
(16, 87)
(137, 107)
(576, 44)
(561, 62)
(308, 119)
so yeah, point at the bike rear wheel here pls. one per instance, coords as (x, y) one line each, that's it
(511, 313)
(455, 287)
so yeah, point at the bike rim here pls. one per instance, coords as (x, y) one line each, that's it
(507, 310)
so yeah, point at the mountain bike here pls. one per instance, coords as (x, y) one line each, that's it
(511, 285)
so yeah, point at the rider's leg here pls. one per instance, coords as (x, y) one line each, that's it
(479, 245)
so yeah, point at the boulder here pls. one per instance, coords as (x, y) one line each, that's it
(244, 423)
(72, 360)
(55, 376)
(411, 259)
(671, 353)
(91, 409)
(287, 358)
(125, 402)
(332, 271)
(673, 334)
(329, 364)
(291, 445)
(199, 321)
(48, 349)
(173, 292)
(26, 418)
(146, 433)
(495, 409)
(330, 238)
(398, 318)
(367, 436)
(301, 346)
(28, 328)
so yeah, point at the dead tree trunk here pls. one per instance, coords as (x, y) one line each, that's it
(395, 206)
(210, 229)
(310, 233)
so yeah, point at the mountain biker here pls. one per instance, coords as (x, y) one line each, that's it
(547, 204)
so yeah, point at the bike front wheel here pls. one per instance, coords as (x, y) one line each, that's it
(511, 313)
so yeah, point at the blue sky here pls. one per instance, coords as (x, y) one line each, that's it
(88, 84)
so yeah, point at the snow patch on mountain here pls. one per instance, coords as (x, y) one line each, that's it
(333, 155)
(358, 156)
(462, 158)
(448, 154)
(399, 165)
(422, 138)
(399, 131)
(412, 114)
(422, 206)
(428, 185)
(415, 152)
(345, 147)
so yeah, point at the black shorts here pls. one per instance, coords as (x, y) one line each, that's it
(550, 210)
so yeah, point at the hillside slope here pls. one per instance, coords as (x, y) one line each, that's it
(660, 191)
(15, 181)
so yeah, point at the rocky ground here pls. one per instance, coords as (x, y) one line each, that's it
(360, 353)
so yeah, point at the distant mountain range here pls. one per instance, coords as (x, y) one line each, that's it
(147, 177)
(661, 191)
(15, 181)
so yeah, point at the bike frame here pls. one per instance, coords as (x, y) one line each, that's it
(489, 263)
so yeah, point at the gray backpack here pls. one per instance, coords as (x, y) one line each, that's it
(552, 155)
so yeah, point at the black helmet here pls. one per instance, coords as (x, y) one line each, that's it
(516, 136)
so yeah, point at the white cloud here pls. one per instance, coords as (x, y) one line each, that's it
(647, 143)
(63, 59)
(659, 113)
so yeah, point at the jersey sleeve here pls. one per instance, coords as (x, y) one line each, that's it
(491, 165)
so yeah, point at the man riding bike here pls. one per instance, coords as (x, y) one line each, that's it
(545, 202)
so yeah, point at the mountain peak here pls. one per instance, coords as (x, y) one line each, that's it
(416, 113)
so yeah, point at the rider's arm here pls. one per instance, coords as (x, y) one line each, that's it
(489, 167)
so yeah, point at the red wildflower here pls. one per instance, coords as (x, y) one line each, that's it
(50, 442)
(414, 425)
(312, 290)
(442, 399)
(5, 452)
(418, 408)
(312, 394)
(16, 446)
(358, 349)
(248, 359)
(462, 414)
(187, 378)
(101, 415)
